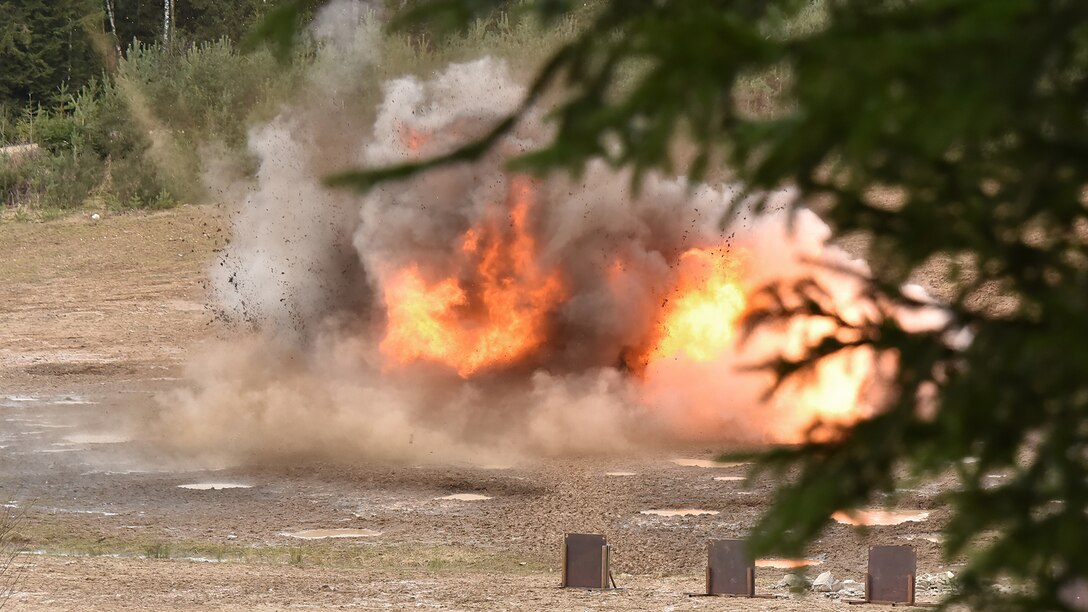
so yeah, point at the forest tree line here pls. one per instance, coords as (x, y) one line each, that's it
(48, 47)
(110, 105)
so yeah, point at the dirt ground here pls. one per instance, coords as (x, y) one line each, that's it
(96, 318)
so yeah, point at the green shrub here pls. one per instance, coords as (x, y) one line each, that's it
(53, 131)
(157, 550)
(9, 117)
(109, 130)
(90, 145)
(97, 141)
(14, 182)
(210, 90)
(67, 125)
(63, 180)
(135, 182)
(55, 181)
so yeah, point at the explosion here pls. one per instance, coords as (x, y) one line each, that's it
(478, 311)
(492, 311)
(501, 316)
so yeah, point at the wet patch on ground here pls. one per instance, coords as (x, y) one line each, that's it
(323, 534)
(464, 497)
(680, 512)
(879, 518)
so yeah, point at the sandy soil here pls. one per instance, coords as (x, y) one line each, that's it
(95, 319)
(118, 297)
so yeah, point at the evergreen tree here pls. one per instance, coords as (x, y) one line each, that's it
(195, 21)
(138, 21)
(206, 20)
(45, 45)
(950, 132)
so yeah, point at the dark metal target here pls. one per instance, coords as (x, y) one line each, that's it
(730, 570)
(586, 559)
(890, 579)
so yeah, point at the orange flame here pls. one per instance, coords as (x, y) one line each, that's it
(414, 140)
(832, 395)
(496, 315)
(693, 345)
(699, 319)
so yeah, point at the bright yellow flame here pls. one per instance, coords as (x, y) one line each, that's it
(688, 365)
(699, 319)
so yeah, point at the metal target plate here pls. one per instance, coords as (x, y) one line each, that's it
(730, 570)
(891, 574)
(585, 562)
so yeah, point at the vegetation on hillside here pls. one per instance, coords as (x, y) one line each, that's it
(86, 117)
(122, 121)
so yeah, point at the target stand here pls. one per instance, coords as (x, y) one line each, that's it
(890, 577)
(587, 560)
(730, 571)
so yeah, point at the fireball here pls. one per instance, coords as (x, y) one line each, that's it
(493, 312)
(699, 316)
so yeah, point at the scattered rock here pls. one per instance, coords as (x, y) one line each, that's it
(939, 582)
(826, 583)
(793, 582)
(15, 152)
(851, 589)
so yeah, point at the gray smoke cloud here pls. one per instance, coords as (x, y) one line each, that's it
(309, 269)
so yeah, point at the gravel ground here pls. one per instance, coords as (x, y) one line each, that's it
(96, 318)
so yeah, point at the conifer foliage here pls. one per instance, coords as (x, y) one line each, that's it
(951, 134)
(45, 44)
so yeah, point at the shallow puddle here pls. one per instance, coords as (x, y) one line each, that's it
(619, 473)
(936, 539)
(70, 511)
(214, 486)
(321, 534)
(73, 401)
(705, 463)
(200, 560)
(125, 472)
(872, 518)
(98, 438)
(464, 497)
(787, 563)
(730, 478)
(680, 512)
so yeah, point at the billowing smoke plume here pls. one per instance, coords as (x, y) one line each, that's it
(471, 313)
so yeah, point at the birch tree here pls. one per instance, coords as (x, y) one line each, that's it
(111, 15)
(167, 22)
